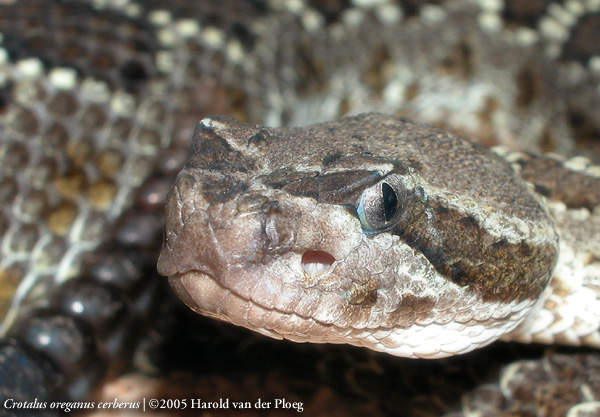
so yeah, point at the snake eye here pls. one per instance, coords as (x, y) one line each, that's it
(390, 201)
(378, 207)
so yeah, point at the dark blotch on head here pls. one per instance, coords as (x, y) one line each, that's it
(500, 245)
(331, 158)
(459, 274)
(468, 222)
(213, 152)
(364, 295)
(442, 209)
(258, 139)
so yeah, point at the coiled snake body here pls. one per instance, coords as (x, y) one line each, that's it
(99, 102)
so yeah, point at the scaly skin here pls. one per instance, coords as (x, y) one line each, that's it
(81, 123)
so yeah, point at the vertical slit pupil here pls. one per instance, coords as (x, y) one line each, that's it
(390, 201)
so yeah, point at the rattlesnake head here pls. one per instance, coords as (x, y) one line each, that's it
(374, 230)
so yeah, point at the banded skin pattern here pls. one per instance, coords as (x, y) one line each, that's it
(374, 231)
(98, 105)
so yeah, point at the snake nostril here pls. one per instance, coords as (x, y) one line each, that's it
(316, 261)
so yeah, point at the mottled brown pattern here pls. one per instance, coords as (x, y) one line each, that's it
(554, 181)
(72, 163)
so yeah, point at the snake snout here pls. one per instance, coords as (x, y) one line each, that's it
(316, 261)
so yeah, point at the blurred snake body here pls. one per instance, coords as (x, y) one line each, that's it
(353, 224)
